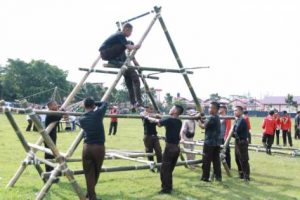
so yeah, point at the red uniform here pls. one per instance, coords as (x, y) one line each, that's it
(228, 127)
(286, 123)
(248, 122)
(113, 112)
(278, 121)
(269, 125)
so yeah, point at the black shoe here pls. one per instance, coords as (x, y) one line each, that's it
(56, 180)
(165, 191)
(219, 179)
(133, 110)
(205, 180)
(152, 170)
(114, 64)
(241, 175)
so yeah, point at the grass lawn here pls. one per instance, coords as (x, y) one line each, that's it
(272, 177)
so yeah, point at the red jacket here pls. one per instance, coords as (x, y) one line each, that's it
(269, 125)
(113, 112)
(278, 121)
(228, 127)
(286, 123)
(248, 122)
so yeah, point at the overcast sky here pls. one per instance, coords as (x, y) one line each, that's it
(251, 46)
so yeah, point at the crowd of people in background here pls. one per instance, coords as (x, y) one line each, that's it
(274, 125)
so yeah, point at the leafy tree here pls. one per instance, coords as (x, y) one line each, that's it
(24, 79)
(91, 90)
(2, 74)
(214, 97)
(290, 101)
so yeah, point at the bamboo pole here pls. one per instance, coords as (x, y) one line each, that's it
(132, 159)
(184, 150)
(129, 116)
(132, 167)
(152, 69)
(26, 147)
(186, 78)
(120, 24)
(115, 72)
(62, 164)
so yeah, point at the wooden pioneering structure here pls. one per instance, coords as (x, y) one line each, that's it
(60, 163)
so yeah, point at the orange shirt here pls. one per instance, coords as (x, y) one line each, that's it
(269, 125)
(286, 123)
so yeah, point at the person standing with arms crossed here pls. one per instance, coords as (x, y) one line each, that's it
(240, 133)
(93, 148)
(171, 153)
(211, 148)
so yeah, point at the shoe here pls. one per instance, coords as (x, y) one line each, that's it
(219, 179)
(205, 180)
(56, 180)
(133, 110)
(165, 191)
(152, 170)
(114, 64)
(241, 175)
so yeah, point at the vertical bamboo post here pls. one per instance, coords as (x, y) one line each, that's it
(186, 78)
(61, 160)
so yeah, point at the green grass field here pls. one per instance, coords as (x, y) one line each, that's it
(272, 177)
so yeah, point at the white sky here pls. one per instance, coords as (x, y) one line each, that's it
(252, 46)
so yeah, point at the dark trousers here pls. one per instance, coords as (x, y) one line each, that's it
(242, 158)
(113, 127)
(92, 160)
(28, 128)
(268, 140)
(277, 132)
(116, 52)
(132, 82)
(211, 154)
(286, 133)
(249, 137)
(297, 132)
(228, 157)
(53, 136)
(151, 143)
(169, 160)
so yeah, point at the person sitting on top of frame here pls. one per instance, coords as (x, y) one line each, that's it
(113, 48)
